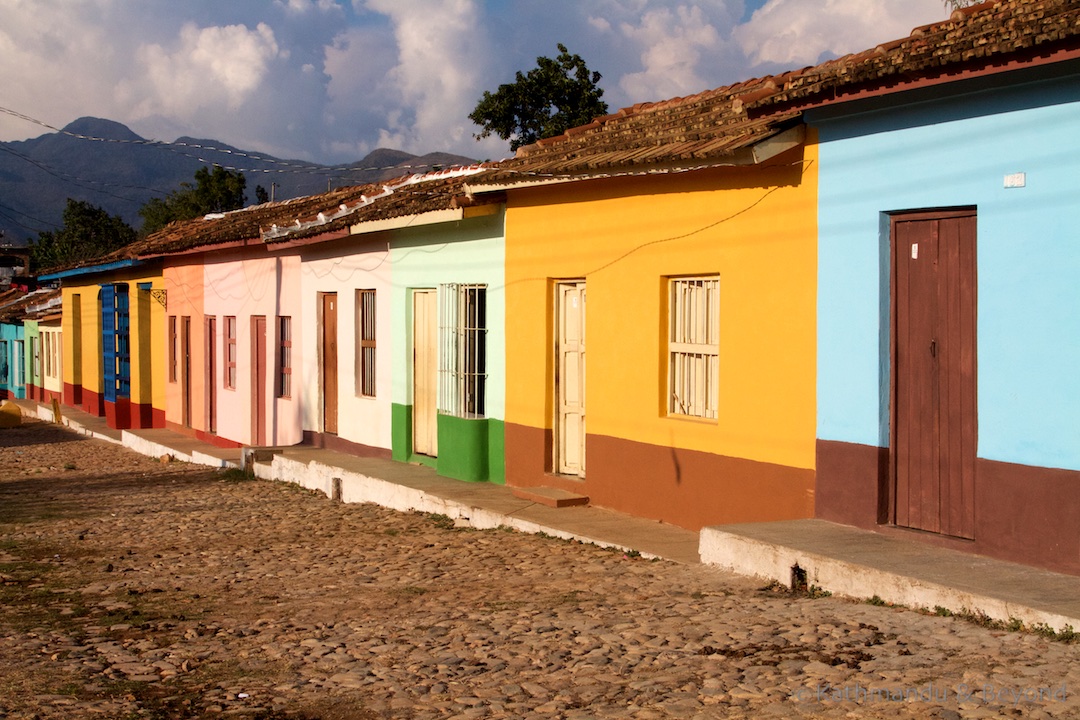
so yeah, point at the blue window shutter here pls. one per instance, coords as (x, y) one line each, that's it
(108, 340)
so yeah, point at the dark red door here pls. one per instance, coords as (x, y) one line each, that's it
(934, 427)
(258, 379)
(211, 374)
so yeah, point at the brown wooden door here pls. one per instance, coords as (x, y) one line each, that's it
(211, 374)
(934, 415)
(425, 373)
(329, 372)
(258, 379)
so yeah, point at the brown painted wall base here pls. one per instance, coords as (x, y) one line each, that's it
(852, 484)
(1023, 513)
(333, 442)
(687, 488)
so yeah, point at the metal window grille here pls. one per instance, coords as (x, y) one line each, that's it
(694, 347)
(229, 348)
(365, 334)
(462, 349)
(284, 356)
(5, 370)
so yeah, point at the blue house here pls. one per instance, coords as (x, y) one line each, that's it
(948, 294)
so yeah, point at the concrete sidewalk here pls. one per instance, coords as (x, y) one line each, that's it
(843, 560)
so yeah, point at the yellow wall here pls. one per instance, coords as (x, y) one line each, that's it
(82, 365)
(755, 227)
(147, 317)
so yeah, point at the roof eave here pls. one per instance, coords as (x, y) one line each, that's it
(92, 269)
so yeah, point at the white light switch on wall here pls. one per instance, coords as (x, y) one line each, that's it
(1016, 180)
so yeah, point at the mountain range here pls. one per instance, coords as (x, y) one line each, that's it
(106, 164)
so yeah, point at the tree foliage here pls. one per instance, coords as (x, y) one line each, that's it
(218, 191)
(548, 100)
(88, 232)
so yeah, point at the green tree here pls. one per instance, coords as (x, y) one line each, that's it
(218, 191)
(88, 232)
(554, 96)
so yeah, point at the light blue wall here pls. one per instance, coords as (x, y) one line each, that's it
(12, 332)
(950, 153)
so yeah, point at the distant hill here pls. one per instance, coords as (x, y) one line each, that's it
(37, 176)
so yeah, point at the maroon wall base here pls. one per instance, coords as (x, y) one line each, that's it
(144, 416)
(118, 414)
(333, 442)
(1023, 513)
(92, 402)
(687, 488)
(72, 395)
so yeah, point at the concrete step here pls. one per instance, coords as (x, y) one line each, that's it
(552, 497)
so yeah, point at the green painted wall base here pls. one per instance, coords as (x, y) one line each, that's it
(471, 449)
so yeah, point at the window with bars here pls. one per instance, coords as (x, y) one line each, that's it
(694, 346)
(228, 349)
(284, 383)
(365, 343)
(5, 370)
(462, 349)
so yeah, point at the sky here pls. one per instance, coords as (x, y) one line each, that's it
(329, 81)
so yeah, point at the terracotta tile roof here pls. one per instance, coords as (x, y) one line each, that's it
(706, 128)
(14, 309)
(713, 127)
(991, 36)
(304, 217)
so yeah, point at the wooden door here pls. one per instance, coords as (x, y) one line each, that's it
(210, 368)
(934, 383)
(569, 421)
(258, 379)
(185, 369)
(329, 353)
(425, 372)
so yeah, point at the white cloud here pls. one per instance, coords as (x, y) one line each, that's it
(672, 44)
(220, 66)
(800, 32)
(441, 51)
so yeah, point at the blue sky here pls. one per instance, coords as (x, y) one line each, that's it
(331, 80)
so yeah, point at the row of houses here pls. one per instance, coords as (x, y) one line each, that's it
(847, 292)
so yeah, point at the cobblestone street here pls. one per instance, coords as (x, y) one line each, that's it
(138, 588)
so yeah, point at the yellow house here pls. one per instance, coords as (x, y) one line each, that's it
(113, 341)
(661, 280)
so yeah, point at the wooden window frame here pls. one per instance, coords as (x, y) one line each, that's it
(365, 343)
(228, 350)
(174, 351)
(284, 369)
(693, 348)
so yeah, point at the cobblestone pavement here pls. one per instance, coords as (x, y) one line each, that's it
(135, 588)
